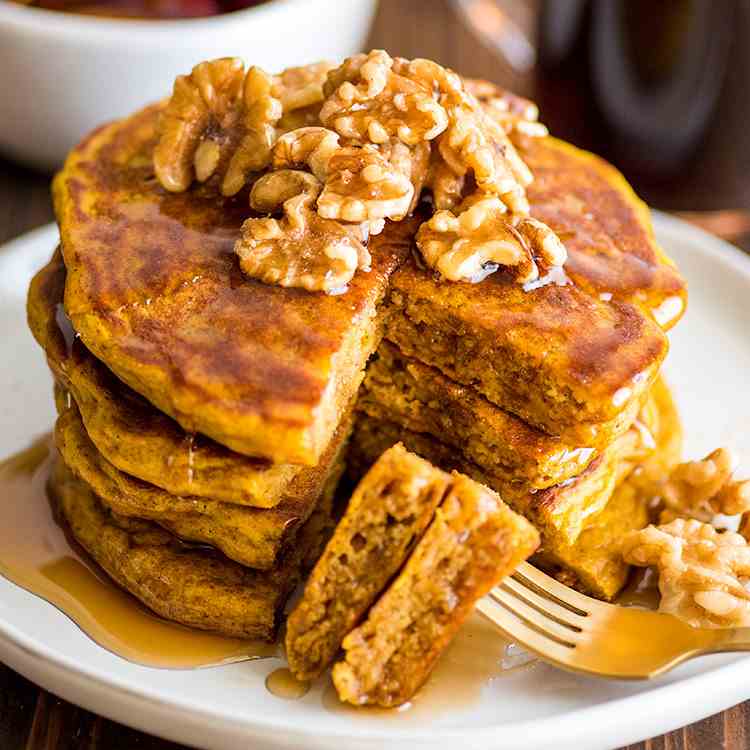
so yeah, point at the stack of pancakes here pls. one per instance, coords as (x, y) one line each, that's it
(549, 394)
(201, 534)
(204, 416)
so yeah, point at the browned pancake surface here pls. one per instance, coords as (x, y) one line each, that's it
(155, 291)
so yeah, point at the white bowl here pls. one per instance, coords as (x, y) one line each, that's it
(62, 74)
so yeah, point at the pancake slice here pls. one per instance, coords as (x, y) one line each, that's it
(387, 513)
(401, 389)
(568, 354)
(255, 537)
(196, 587)
(473, 542)
(560, 511)
(575, 517)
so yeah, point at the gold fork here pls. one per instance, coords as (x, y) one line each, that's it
(581, 634)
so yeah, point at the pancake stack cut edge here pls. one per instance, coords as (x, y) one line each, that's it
(197, 405)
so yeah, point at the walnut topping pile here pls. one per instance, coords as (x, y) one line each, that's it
(703, 489)
(331, 153)
(701, 571)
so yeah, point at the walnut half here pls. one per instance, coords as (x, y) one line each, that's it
(473, 243)
(198, 121)
(702, 489)
(300, 249)
(699, 571)
(217, 120)
(368, 102)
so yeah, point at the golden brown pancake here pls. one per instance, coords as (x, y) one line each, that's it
(256, 537)
(579, 526)
(473, 542)
(196, 587)
(572, 355)
(130, 432)
(387, 514)
(156, 292)
(404, 391)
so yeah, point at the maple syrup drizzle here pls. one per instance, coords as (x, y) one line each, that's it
(283, 684)
(37, 555)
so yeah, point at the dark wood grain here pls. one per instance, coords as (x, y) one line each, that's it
(31, 718)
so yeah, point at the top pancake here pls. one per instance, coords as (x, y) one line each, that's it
(155, 291)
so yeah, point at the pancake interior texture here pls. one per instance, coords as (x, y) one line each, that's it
(566, 512)
(129, 431)
(473, 542)
(386, 515)
(569, 356)
(196, 587)
(403, 390)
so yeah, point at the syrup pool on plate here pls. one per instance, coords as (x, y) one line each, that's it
(37, 555)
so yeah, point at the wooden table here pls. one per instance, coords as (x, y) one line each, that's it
(31, 718)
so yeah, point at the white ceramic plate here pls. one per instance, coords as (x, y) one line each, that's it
(469, 703)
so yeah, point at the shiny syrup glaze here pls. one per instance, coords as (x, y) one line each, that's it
(162, 300)
(283, 684)
(37, 555)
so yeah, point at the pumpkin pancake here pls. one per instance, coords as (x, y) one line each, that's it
(193, 586)
(405, 391)
(578, 522)
(472, 543)
(130, 432)
(256, 537)
(155, 291)
(569, 353)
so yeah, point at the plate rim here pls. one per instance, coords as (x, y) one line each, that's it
(585, 722)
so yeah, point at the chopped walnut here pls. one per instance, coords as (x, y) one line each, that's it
(363, 186)
(367, 102)
(301, 249)
(353, 146)
(703, 489)
(262, 111)
(360, 183)
(197, 124)
(699, 571)
(312, 147)
(513, 113)
(216, 116)
(474, 143)
(301, 87)
(482, 237)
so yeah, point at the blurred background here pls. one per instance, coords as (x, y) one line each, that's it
(660, 88)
